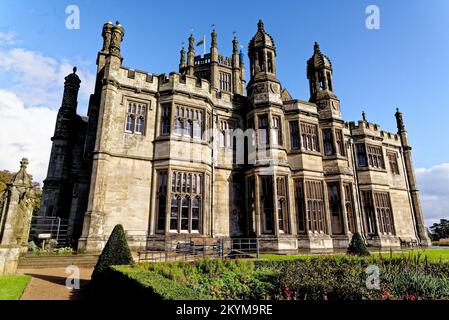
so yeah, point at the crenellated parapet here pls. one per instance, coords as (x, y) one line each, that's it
(367, 129)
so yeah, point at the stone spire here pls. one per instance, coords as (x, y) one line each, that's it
(182, 59)
(413, 185)
(191, 56)
(262, 54)
(67, 112)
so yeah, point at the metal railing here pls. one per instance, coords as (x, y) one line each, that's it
(57, 228)
(189, 248)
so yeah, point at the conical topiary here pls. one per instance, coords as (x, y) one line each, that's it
(116, 252)
(357, 246)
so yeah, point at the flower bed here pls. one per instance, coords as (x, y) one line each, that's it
(316, 278)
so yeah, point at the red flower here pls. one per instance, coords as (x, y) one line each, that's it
(411, 297)
(288, 293)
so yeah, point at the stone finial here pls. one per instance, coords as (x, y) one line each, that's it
(24, 163)
(213, 38)
(72, 81)
(106, 34)
(260, 26)
(316, 47)
(22, 178)
(117, 36)
(399, 121)
(182, 59)
(191, 43)
(364, 116)
(235, 45)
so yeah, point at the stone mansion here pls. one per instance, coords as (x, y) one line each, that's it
(204, 153)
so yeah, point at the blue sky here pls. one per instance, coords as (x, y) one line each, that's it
(404, 63)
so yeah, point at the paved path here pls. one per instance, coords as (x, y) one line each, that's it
(49, 284)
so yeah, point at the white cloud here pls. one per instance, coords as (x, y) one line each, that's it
(7, 38)
(31, 88)
(25, 132)
(37, 79)
(434, 189)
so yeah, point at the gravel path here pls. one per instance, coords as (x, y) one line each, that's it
(50, 284)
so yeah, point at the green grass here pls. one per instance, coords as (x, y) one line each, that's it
(12, 287)
(434, 255)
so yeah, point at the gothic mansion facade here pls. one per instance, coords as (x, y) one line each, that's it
(200, 153)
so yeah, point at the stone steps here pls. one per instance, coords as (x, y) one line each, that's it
(55, 261)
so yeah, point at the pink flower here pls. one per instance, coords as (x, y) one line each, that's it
(411, 297)
(288, 293)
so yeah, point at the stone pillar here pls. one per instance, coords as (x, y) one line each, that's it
(236, 86)
(414, 192)
(214, 73)
(16, 210)
(191, 57)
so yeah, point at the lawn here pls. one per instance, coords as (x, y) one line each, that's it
(434, 255)
(12, 287)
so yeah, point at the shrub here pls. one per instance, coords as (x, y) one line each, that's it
(116, 252)
(357, 246)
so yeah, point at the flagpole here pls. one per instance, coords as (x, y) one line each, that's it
(204, 45)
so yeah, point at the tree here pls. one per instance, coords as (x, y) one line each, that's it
(357, 246)
(115, 252)
(5, 178)
(440, 230)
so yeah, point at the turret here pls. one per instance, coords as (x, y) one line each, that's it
(263, 86)
(67, 112)
(411, 177)
(319, 73)
(262, 54)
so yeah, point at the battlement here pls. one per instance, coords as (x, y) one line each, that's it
(373, 129)
(191, 84)
(206, 59)
(139, 79)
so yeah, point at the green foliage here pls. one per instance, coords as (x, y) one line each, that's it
(12, 287)
(5, 178)
(51, 251)
(357, 246)
(314, 278)
(115, 252)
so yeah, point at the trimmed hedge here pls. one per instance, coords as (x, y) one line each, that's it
(115, 252)
(357, 246)
(157, 286)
